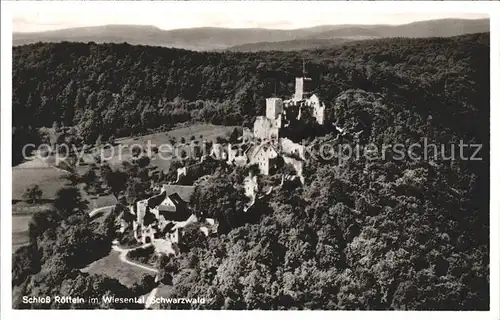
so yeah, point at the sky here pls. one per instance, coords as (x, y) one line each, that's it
(42, 16)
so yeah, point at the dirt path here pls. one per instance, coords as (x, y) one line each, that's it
(123, 257)
(97, 210)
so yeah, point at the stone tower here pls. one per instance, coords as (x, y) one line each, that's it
(301, 84)
(274, 108)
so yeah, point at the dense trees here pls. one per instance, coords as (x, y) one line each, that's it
(371, 232)
(118, 89)
(221, 196)
(62, 241)
(69, 201)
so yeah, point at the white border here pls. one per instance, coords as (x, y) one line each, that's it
(491, 8)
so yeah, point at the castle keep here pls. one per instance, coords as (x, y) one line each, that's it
(278, 111)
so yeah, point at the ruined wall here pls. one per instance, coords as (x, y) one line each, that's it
(264, 129)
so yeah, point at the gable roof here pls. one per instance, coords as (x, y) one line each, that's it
(314, 96)
(175, 215)
(155, 201)
(176, 199)
(183, 192)
(253, 152)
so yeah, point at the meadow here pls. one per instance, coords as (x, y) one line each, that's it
(113, 267)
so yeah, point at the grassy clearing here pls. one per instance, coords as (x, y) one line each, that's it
(50, 180)
(208, 131)
(99, 201)
(20, 225)
(201, 132)
(113, 267)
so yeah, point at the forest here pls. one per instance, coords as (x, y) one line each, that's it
(362, 234)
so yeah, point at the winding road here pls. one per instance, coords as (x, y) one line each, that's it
(123, 252)
(94, 212)
(123, 257)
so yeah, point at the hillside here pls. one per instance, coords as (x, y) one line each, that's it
(361, 233)
(136, 88)
(420, 29)
(292, 45)
(208, 38)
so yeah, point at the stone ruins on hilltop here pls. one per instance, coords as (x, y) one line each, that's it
(161, 219)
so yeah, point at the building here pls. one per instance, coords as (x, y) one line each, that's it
(318, 109)
(301, 99)
(265, 129)
(251, 188)
(158, 214)
(265, 156)
(297, 165)
(218, 152)
(301, 84)
(274, 110)
(279, 112)
(291, 148)
(169, 208)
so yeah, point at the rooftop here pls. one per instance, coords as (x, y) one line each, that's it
(183, 192)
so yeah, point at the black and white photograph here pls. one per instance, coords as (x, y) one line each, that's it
(247, 156)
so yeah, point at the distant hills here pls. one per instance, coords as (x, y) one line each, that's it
(291, 45)
(253, 39)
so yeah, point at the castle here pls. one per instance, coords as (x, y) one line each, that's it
(266, 129)
(279, 112)
(160, 219)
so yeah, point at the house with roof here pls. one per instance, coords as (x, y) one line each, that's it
(156, 215)
(169, 207)
(280, 114)
(265, 156)
(161, 219)
(218, 152)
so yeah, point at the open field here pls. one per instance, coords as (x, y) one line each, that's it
(183, 191)
(202, 132)
(20, 225)
(49, 179)
(113, 267)
(208, 131)
(21, 216)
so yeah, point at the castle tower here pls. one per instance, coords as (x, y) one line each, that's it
(274, 107)
(301, 84)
